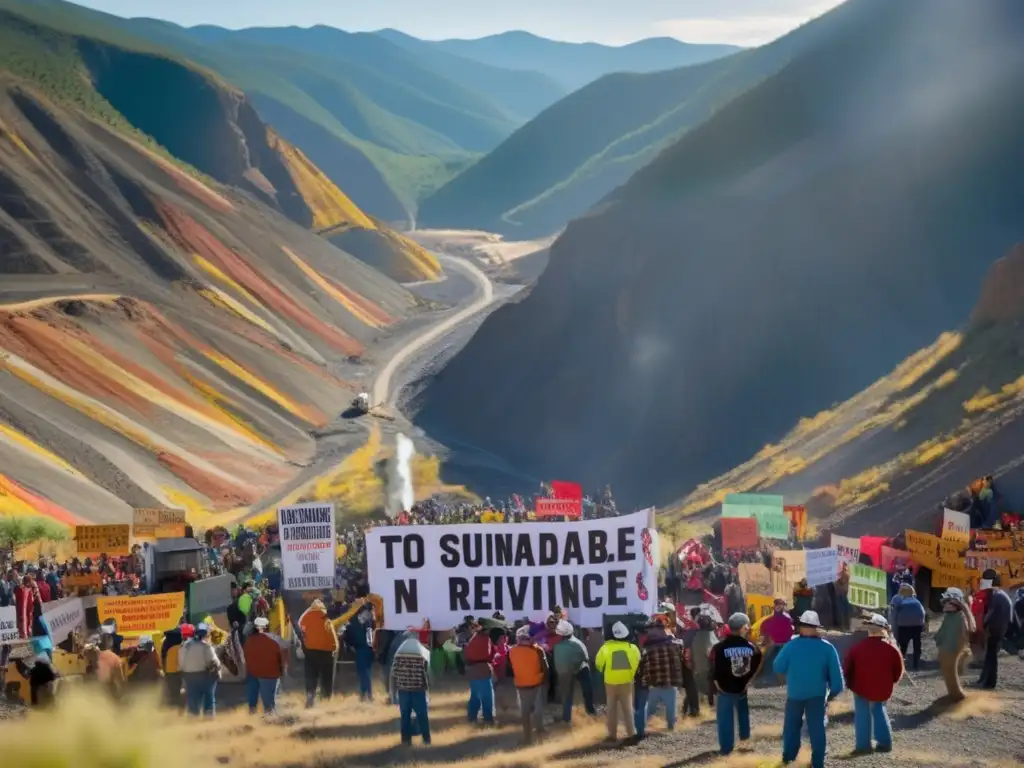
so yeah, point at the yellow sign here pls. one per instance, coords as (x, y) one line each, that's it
(82, 583)
(998, 541)
(147, 523)
(924, 548)
(759, 606)
(173, 531)
(950, 550)
(102, 539)
(142, 615)
(952, 573)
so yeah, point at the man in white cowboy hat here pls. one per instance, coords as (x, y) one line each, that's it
(618, 660)
(872, 669)
(814, 677)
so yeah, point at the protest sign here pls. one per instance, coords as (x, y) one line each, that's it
(759, 606)
(952, 573)
(144, 614)
(102, 539)
(82, 583)
(867, 587)
(923, 548)
(210, 595)
(997, 541)
(307, 545)
(570, 508)
(739, 533)
(956, 526)
(768, 509)
(755, 579)
(9, 625)
(444, 573)
(64, 617)
(951, 550)
(147, 522)
(773, 526)
(822, 565)
(788, 567)
(894, 559)
(797, 515)
(847, 549)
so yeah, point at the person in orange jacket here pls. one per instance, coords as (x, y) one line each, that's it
(320, 648)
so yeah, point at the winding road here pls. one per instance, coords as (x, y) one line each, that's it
(382, 390)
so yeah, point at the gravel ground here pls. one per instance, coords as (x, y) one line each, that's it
(986, 730)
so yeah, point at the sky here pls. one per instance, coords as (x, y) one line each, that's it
(613, 22)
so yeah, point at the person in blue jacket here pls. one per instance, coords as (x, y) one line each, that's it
(814, 677)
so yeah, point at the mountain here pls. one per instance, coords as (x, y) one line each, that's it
(777, 259)
(885, 459)
(171, 330)
(562, 163)
(574, 65)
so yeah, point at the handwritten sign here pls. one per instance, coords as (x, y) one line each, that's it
(923, 548)
(894, 559)
(952, 573)
(144, 614)
(847, 549)
(102, 539)
(754, 579)
(739, 533)
(788, 567)
(9, 625)
(956, 527)
(821, 566)
(82, 583)
(146, 523)
(997, 541)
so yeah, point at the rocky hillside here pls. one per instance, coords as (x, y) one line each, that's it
(776, 260)
(171, 330)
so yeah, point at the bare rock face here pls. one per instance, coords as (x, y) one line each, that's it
(1002, 293)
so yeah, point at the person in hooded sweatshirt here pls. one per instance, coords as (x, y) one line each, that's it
(996, 622)
(814, 677)
(572, 664)
(872, 668)
(908, 616)
(734, 661)
(409, 682)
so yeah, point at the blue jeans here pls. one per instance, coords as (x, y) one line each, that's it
(569, 682)
(364, 666)
(732, 707)
(864, 713)
(408, 703)
(666, 696)
(264, 688)
(481, 696)
(200, 693)
(640, 696)
(796, 709)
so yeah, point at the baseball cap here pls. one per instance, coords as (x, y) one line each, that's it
(810, 619)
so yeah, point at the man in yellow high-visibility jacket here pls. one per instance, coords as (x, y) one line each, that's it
(618, 660)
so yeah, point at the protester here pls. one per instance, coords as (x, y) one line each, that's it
(359, 637)
(170, 662)
(409, 681)
(814, 677)
(803, 597)
(477, 655)
(572, 664)
(200, 671)
(618, 660)
(996, 623)
(264, 666)
(907, 614)
(144, 664)
(529, 671)
(872, 668)
(661, 672)
(320, 647)
(952, 639)
(700, 650)
(776, 630)
(41, 675)
(842, 585)
(594, 639)
(735, 661)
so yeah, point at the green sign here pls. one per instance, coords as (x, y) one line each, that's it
(773, 527)
(772, 522)
(867, 587)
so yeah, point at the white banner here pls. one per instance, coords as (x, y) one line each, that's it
(64, 617)
(447, 572)
(307, 546)
(822, 565)
(956, 526)
(9, 625)
(847, 550)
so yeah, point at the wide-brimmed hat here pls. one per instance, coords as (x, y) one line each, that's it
(810, 619)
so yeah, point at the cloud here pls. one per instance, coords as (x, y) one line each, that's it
(741, 22)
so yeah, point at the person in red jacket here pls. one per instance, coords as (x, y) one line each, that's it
(872, 668)
(477, 654)
(24, 601)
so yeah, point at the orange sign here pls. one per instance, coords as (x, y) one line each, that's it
(147, 523)
(142, 615)
(102, 539)
(82, 583)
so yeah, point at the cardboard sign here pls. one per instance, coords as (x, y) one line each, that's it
(9, 625)
(867, 587)
(822, 566)
(847, 549)
(739, 533)
(82, 583)
(571, 508)
(951, 550)
(952, 573)
(755, 579)
(956, 527)
(147, 522)
(998, 541)
(759, 606)
(768, 509)
(923, 548)
(64, 617)
(142, 615)
(774, 527)
(171, 531)
(103, 539)
(788, 567)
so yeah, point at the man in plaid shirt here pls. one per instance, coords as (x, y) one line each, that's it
(410, 679)
(661, 671)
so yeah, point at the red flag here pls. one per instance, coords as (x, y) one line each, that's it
(563, 490)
